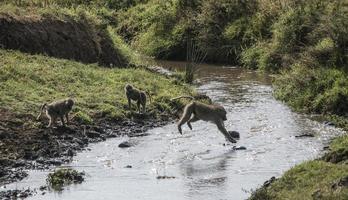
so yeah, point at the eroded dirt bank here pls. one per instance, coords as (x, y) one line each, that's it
(70, 39)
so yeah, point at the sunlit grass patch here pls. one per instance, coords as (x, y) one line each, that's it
(309, 180)
(29, 80)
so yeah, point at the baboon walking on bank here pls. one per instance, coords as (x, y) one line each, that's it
(137, 95)
(195, 111)
(57, 109)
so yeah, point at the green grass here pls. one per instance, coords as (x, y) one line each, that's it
(29, 80)
(304, 181)
(312, 179)
(339, 143)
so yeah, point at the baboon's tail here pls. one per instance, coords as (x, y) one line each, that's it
(180, 97)
(41, 110)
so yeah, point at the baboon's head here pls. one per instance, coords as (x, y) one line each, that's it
(128, 87)
(69, 103)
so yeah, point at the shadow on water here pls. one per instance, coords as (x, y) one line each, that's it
(200, 165)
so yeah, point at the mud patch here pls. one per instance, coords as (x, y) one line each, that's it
(24, 147)
(17, 194)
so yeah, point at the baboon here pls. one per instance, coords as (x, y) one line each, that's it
(137, 95)
(57, 109)
(195, 111)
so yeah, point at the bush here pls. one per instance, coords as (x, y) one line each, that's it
(319, 90)
(251, 56)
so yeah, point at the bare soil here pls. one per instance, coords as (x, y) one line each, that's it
(70, 39)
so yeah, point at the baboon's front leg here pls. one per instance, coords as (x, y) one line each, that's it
(62, 119)
(67, 118)
(129, 103)
(223, 130)
(194, 118)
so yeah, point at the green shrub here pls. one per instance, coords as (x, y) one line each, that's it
(320, 90)
(251, 56)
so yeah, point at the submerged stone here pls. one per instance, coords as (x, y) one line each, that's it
(125, 144)
(165, 177)
(328, 123)
(239, 148)
(305, 135)
(234, 134)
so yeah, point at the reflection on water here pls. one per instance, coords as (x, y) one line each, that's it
(202, 166)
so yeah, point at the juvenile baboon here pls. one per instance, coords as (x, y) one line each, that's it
(195, 111)
(137, 95)
(57, 109)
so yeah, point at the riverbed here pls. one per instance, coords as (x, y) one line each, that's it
(199, 164)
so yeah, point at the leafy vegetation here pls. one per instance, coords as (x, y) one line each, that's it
(304, 41)
(320, 90)
(62, 177)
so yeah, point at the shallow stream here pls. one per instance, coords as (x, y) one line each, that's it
(199, 165)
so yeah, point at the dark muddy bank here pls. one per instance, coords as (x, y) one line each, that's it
(24, 147)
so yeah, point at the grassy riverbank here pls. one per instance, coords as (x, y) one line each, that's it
(29, 80)
(324, 178)
(100, 110)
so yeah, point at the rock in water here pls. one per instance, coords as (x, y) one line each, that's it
(234, 134)
(328, 123)
(125, 145)
(239, 148)
(305, 135)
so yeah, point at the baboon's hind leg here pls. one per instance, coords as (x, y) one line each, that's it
(138, 104)
(143, 105)
(185, 116)
(194, 118)
(52, 121)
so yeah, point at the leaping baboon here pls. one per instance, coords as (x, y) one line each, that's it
(195, 111)
(137, 95)
(57, 109)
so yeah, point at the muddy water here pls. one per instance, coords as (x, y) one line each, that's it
(202, 166)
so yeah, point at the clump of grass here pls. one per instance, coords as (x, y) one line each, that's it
(338, 150)
(29, 80)
(194, 57)
(83, 118)
(63, 177)
(312, 179)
